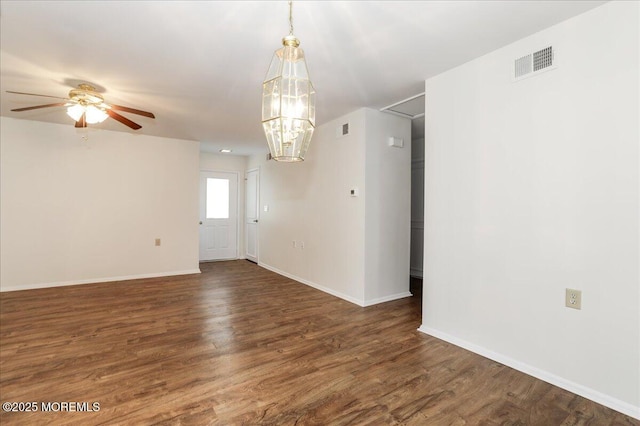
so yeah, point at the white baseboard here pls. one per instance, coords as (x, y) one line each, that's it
(593, 395)
(98, 280)
(363, 303)
(314, 285)
(402, 295)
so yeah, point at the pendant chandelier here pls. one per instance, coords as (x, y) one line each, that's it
(288, 101)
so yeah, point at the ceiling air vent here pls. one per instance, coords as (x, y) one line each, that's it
(534, 63)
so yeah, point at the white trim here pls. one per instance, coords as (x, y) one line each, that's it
(244, 221)
(314, 285)
(593, 395)
(387, 298)
(226, 259)
(99, 280)
(388, 110)
(363, 303)
(401, 114)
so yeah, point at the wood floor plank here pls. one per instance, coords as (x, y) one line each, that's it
(240, 345)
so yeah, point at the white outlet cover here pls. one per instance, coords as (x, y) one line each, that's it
(573, 298)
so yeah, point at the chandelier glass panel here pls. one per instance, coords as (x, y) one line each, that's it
(288, 101)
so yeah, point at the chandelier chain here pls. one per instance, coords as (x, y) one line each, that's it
(291, 18)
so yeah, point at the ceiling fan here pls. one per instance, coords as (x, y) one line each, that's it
(86, 106)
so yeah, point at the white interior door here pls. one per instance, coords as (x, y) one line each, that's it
(252, 191)
(218, 215)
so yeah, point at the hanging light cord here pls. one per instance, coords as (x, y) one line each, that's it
(291, 18)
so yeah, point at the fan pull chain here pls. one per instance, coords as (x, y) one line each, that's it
(85, 134)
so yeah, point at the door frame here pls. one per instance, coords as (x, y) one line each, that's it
(244, 220)
(237, 210)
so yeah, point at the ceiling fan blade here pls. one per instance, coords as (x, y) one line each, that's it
(35, 94)
(82, 122)
(39, 106)
(133, 111)
(123, 120)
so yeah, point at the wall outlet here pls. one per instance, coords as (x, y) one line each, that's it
(158, 241)
(573, 298)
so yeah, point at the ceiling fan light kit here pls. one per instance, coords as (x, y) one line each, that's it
(86, 106)
(86, 101)
(288, 101)
(95, 114)
(75, 111)
(92, 113)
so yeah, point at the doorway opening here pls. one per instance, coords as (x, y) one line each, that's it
(414, 109)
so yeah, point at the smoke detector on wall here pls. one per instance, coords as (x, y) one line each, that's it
(534, 63)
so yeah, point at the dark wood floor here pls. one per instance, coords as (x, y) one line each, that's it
(241, 345)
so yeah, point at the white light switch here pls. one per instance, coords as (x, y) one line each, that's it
(266, 208)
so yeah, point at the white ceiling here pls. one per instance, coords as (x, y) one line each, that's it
(199, 65)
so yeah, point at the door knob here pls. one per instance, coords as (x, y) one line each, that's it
(200, 222)
(255, 221)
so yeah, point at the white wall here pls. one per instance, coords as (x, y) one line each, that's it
(236, 164)
(75, 211)
(387, 208)
(310, 203)
(532, 187)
